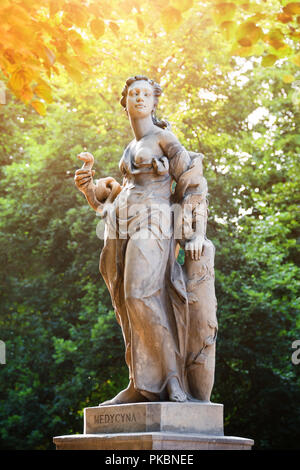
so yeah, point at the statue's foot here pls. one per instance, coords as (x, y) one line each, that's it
(175, 391)
(129, 395)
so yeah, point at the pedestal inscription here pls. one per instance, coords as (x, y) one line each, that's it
(155, 417)
(154, 425)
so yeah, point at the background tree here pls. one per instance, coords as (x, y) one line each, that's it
(44, 36)
(64, 347)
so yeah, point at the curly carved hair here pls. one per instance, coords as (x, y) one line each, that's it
(157, 91)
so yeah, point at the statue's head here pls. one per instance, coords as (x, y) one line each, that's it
(140, 98)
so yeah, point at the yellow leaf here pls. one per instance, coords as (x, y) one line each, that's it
(296, 60)
(50, 56)
(63, 59)
(126, 6)
(284, 17)
(248, 33)
(61, 45)
(182, 5)
(170, 18)
(95, 9)
(105, 8)
(223, 12)
(77, 14)
(258, 17)
(295, 35)
(251, 7)
(228, 29)
(292, 8)
(67, 21)
(276, 43)
(140, 24)
(55, 6)
(74, 36)
(20, 78)
(246, 6)
(269, 60)
(97, 27)
(160, 4)
(21, 34)
(74, 73)
(284, 51)
(245, 42)
(17, 15)
(43, 90)
(288, 78)
(17, 81)
(41, 26)
(242, 51)
(26, 94)
(56, 70)
(80, 47)
(275, 39)
(114, 27)
(69, 60)
(39, 107)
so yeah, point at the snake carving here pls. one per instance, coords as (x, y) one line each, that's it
(107, 188)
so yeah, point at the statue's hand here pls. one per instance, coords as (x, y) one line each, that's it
(84, 180)
(193, 248)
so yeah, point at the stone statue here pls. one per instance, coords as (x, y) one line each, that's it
(167, 312)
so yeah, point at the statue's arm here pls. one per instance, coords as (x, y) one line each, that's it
(97, 195)
(84, 182)
(179, 157)
(190, 192)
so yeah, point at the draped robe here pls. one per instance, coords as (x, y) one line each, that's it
(139, 266)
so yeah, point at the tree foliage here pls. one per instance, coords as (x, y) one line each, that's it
(64, 347)
(39, 38)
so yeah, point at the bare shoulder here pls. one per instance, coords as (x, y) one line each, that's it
(166, 138)
(128, 147)
(131, 143)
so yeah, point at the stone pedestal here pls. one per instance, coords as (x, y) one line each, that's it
(153, 426)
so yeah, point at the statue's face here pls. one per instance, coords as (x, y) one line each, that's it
(140, 99)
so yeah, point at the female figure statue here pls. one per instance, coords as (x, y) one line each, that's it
(167, 312)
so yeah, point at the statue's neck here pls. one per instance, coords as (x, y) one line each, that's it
(142, 126)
